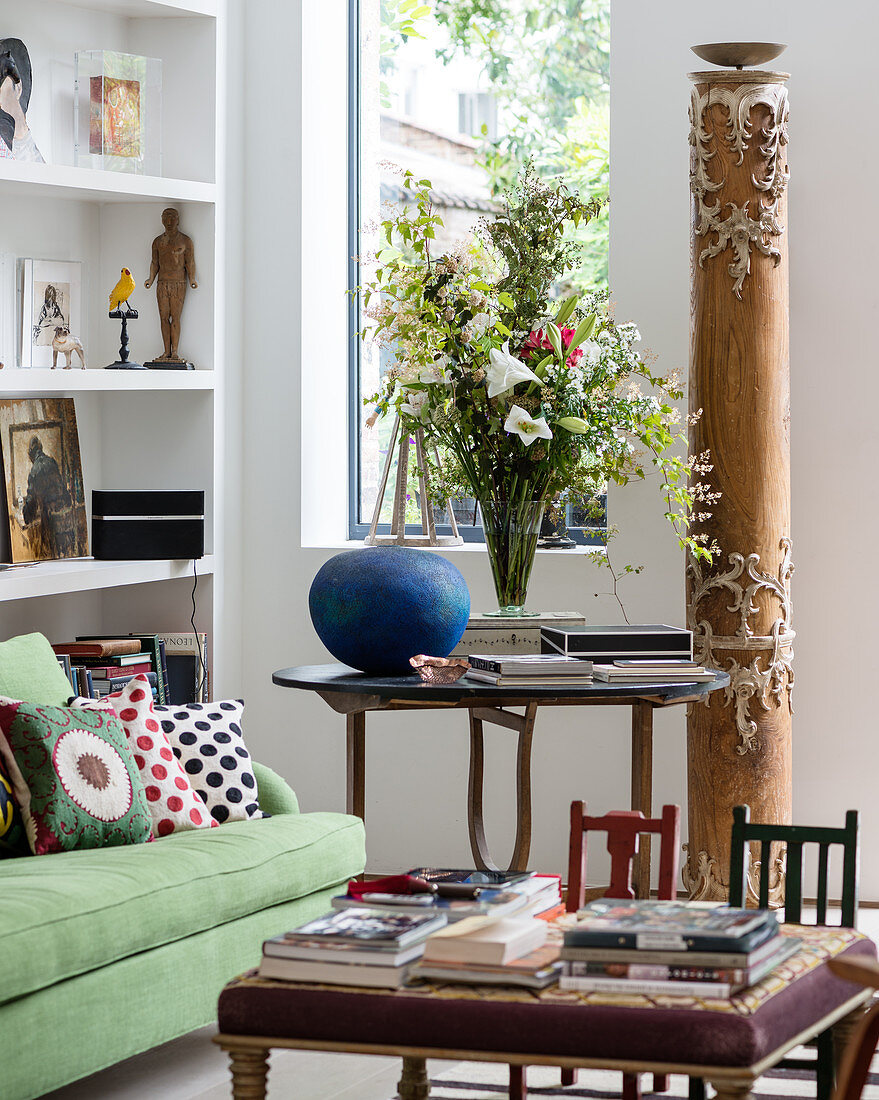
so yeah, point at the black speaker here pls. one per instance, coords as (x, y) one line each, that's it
(138, 524)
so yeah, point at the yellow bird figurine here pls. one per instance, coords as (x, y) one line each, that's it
(122, 291)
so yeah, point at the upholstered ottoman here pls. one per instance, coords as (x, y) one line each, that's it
(728, 1042)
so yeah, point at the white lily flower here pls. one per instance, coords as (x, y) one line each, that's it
(524, 426)
(505, 370)
(414, 405)
(591, 351)
(436, 372)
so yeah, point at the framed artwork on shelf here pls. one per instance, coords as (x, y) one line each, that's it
(42, 470)
(17, 141)
(117, 112)
(51, 311)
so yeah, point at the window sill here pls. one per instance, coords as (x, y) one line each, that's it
(466, 548)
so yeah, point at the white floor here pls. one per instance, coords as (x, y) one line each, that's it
(193, 1068)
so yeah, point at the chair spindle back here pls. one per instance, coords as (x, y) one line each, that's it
(794, 836)
(624, 829)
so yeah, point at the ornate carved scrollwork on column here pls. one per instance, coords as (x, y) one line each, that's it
(739, 608)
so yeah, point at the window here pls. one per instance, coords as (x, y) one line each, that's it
(448, 90)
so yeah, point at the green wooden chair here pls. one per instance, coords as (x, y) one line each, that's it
(795, 836)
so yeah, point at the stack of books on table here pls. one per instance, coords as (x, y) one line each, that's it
(482, 951)
(652, 672)
(356, 947)
(496, 894)
(693, 949)
(529, 670)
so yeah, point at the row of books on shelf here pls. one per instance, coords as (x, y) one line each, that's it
(175, 665)
(556, 670)
(509, 934)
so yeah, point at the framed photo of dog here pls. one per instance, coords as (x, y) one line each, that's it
(52, 315)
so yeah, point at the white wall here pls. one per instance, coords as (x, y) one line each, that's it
(416, 764)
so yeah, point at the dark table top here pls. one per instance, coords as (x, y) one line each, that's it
(343, 679)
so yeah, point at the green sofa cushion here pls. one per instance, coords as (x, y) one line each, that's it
(29, 670)
(71, 912)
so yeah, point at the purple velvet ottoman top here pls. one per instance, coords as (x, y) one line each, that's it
(683, 1030)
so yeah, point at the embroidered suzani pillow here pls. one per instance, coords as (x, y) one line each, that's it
(173, 804)
(207, 739)
(73, 777)
(13, 842)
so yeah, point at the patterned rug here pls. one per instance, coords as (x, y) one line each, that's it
(487, 1081)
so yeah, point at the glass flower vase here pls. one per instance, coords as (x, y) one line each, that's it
(512, 528)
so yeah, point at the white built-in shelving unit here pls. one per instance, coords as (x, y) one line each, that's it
(137, 429)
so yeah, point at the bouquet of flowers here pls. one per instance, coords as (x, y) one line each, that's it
(525, 394)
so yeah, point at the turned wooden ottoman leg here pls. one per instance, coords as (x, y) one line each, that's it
(414, 1084)
(569, 1077)
(250, 1068)
(732, 1090)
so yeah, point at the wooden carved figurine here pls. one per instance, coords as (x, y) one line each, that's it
(171, 268)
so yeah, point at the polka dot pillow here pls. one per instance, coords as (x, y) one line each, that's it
(172, 803)
(207, 739)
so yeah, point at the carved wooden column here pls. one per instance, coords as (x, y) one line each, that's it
(739, 744)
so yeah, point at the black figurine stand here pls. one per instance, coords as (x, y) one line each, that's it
(123, 362)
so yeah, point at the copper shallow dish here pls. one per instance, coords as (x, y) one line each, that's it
(439, 670)
(735, 55)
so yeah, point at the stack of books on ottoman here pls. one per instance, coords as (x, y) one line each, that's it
(354, 947)
(459, 894)
(374, 935)
(692, 949)
(529, 670)
(481, 951)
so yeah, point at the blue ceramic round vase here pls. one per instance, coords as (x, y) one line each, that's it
(375, 608)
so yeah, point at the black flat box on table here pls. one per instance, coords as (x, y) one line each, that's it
(147, 524)
(605, 644)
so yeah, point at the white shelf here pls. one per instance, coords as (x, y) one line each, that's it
(147, 9)
(54, 578)
(15, 382)
(61, 181)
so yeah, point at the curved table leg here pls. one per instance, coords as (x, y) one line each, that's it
(523, 725)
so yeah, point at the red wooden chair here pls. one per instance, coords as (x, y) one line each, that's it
(624, 830)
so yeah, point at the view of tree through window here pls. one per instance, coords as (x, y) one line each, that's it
(465, 93)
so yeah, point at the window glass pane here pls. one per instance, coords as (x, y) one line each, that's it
(464, 93)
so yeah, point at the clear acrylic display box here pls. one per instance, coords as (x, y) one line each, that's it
(118, 112)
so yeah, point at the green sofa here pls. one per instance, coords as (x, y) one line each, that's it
(107, 952)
